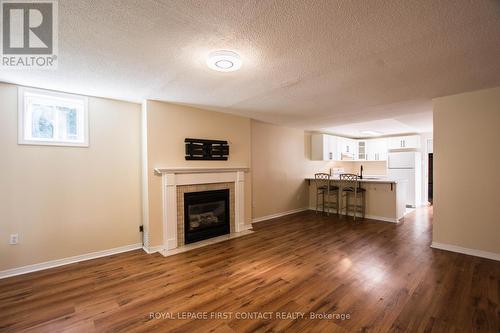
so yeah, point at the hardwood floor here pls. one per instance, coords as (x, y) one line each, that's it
(384, 276)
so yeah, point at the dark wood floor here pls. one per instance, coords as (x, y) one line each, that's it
(384, 276)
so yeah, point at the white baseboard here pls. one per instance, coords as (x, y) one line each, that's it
(464, 250)
(152, 249)
(66, 261)
(273, 216)
(380, 218)
(245, 227)
(371, 217)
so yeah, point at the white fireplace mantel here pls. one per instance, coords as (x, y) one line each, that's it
(178, 176)
(177, 170)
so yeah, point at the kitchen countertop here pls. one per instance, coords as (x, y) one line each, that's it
(380, 180)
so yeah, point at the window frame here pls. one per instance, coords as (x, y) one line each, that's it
(62, 97)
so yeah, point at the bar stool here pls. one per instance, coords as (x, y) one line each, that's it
(326, 190)
(350, 185)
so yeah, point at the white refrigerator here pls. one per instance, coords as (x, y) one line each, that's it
(407, 165)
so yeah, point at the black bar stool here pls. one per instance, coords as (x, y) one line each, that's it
(350, 185)
(326, 191)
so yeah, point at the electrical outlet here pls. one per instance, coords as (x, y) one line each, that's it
(14, 239)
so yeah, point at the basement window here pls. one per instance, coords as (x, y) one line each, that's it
(54, 119)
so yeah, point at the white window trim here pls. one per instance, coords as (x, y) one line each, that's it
(21, 116)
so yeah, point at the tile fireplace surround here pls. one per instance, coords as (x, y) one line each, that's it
(177, 181)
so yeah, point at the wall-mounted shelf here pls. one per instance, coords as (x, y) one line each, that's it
(206, 150)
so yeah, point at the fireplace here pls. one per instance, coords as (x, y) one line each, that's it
(178, 181)
(206, 215)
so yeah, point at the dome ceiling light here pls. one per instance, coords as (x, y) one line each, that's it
(224, 61)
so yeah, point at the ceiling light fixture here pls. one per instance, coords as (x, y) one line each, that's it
(224, 61)
(371, 133)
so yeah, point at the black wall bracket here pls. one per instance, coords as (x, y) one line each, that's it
(207, 150)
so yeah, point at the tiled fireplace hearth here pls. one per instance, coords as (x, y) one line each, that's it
(177, 182)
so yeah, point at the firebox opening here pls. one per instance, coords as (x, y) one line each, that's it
(206, 215)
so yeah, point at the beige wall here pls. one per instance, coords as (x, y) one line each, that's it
(279, 165)
(466, 170)
(167, 127)
(66, 201)
(378, 168)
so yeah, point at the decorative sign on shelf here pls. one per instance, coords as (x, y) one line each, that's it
(200, 149)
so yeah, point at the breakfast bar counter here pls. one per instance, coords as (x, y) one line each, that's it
(369, 179)
(385, 197)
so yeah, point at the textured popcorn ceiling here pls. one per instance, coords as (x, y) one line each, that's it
(311, 64)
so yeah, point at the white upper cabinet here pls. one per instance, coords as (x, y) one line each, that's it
(348, 149)
(333, 148)
(319, 147)
(376, 149)
(430, 147)
(362, 150)
(404, 142)
(324, 147)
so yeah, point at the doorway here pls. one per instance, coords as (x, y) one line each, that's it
(430, 179)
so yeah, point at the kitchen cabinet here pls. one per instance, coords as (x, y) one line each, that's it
(319, 147)
(376, 149)
(333, 148)
(348, 149)
(430, 147)
(405, 142)
(362, 150)
(324, 147)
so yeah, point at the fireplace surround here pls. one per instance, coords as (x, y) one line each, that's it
(196, 188)
(177, 181)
